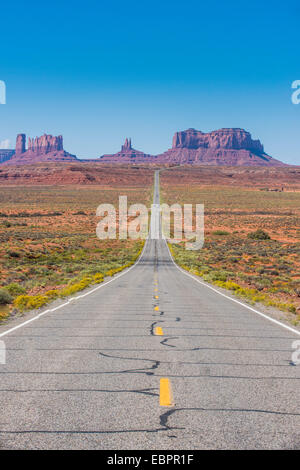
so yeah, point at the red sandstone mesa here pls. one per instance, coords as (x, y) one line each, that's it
(41, 149)
(127, 154)
(229, 147)
(222, 147)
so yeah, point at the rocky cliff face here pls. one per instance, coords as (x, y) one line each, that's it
(233, 139)
(222, 147)
(41, 149)
(231, 147)
(127, 154)
(127, 146)
(20, 144)
(45, 144)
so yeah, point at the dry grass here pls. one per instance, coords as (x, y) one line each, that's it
(49, 246)
(266, 271)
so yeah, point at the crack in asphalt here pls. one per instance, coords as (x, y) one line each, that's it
(164, 422)
(152, 328)
(150, 350)
(145, 370)
(143, 391)
(165, 341)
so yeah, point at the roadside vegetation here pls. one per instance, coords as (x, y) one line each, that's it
(49, 248)
(252, 242)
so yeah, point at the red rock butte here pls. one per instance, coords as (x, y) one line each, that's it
(41, 149)
(229, 147)
(127, 154)
(222, 147)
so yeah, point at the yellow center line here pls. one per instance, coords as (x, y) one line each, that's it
(156, 308)
(165, 393)
(159, 331)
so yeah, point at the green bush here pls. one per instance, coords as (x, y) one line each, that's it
(220, 232)
(5, 297)
(6, 223)
(259, 235)
(15, 289)
(13, 254)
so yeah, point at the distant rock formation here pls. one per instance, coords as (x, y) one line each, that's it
(20, 144)
(230, 147)
(222, 147)
(45, 144)
(127, 154)
(46, 148)
(127, 146)
(224, 138)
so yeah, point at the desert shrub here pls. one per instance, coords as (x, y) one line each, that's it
(217, 276)
(259, 234)
(70, 269)
(74, 287)
(52, 294)
(89, 276)
(98, 278)
(37, 301)
(6, 223)
(263, 283)
(220, 232)
(5, 297)
(15, 289)
(13, 254)
(21, 302)
(27, 302)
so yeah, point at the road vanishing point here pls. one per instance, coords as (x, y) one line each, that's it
(152, 359)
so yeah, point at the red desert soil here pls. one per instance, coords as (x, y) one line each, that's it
(270, 178)
(75, 174)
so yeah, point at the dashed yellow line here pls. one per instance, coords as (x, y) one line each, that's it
(165, 393)
(159, 331)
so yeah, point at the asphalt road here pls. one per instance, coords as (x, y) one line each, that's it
(87, 376)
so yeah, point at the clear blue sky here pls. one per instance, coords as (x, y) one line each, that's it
(98, 71)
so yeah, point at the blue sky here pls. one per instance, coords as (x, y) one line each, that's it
(97, 72)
